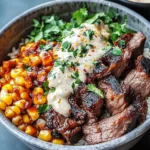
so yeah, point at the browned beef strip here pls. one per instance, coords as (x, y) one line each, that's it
(116, 99)
(92, 104)
(115, 126)
(134, 47)
(138, 79)
(126, 37)
(85, 105)
(68, 128)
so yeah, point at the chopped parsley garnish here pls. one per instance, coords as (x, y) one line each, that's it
(93, 88)
(80, 15)
(122, 43)
(73, 86)
(89, 33)
(44, 108)
(47, 89)
(27, 68)
(117, 51)
(66, 45)
(107, 48)
(83, 50)
(75, 75)
(46, 47)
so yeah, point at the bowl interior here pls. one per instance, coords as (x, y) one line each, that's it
(18, 28)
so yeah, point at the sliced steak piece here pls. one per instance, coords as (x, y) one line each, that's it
(68, 128)
(92, 104)
(133, 48)
(126, 38)
(113, 127)
(86, 106)
(116, 99)
(139, 78)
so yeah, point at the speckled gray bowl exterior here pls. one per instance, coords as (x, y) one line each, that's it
(11, 34)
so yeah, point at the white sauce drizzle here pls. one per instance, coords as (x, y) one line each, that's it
(63, 81)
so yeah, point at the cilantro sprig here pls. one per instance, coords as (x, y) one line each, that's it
(44, 108)
(47, 89)
(93, 88)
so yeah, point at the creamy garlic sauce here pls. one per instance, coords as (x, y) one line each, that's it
(64, 83)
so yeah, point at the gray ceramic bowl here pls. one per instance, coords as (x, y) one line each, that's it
(11, 34)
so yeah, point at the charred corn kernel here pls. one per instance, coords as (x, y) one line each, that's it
(9, 113)
(30, 130)
(8, 88)
(26, 119)
(20, 81)
(25, 95)
(15, 109)
(15, 96)
(26, 61)
(33, 113)
(39, 100)
(40, 123)
(17, 120)
(16, 72)
(35, 60)
(42, 41)
(29, 44)
(45, 135)
(37, 90)
(22, 127)
(11, 82)
(28, 83)
(24, 74)
(22, 48)
(2, 105)
(58, 141)
(21, 103)
(7, 76)
(7, 99)
(2, 81)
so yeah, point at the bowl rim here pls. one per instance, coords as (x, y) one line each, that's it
(136, 3)
(47, 145)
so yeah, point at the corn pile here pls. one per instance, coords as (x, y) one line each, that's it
(21, 89)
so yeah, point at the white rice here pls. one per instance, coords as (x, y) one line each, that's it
(15, 51)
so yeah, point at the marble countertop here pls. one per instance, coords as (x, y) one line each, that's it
(8, 10)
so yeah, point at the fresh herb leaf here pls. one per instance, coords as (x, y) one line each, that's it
(117, 51)
(93, 88)
(45, 86)
(73, 86)
(75, 75)
(66, 45)
(46, 47)
(39, 36)
(36, 23)
(75, 53)
(107, 48)
(80, 15)
(27, 68)
(90, 34)
(122, 43)
(44, 108)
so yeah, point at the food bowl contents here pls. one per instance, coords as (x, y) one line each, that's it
(140, 1)
(85, 79)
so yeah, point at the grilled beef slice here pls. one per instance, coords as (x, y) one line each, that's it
(139, 78)
(85, 105)
(115, 96)
(133, 48)
(68, 128)
(115, 126)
